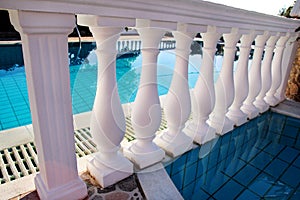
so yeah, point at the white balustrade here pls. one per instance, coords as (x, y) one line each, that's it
(204, 93)
(255, 76)
(45, 36)
(241, 85)
(266, 74)
(108, 165)
(178, 103)
(276, 70)
(224, 87)
(44, 28)
(146, 110)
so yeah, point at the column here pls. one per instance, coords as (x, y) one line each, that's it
(146, 110)
(204, 93)
(224, 86)
(255, 76)
(266, 74)
(108, 165)
(241, 84)
(178, 103)
(45, 50)
(276, 70)
(287, 61)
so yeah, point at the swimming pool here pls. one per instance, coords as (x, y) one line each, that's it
(14, 105)
(258, 160)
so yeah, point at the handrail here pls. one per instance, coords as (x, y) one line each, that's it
(182, 11)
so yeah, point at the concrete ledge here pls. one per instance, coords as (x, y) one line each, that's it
(156, 183)
(288, 108)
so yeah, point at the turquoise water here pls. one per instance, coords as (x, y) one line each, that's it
(258, 160)
(14, 107)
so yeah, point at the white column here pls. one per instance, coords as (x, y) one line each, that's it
(204, 93)
(287, 61)
(266, 74)
(255, 76)
(178, 102)
(146, 110)
(224, 86)
(241, 84)
(276, 70)
(45, 49)
(108, 165)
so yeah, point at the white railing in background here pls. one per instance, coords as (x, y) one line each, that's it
(44, 27)
(136, 45)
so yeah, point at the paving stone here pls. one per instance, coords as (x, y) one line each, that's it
(128, 184)
(117, 195)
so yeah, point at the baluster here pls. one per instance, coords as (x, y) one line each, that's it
(123, 46)
(255, 76)
(127, 45)
(266, 74)
(241, 85)
(224, 87)
(204, 93)
(108, 165)
(276, 70)
(45, 49)
(119, 46)
(287, 61)
(146, 110)
(178, 103)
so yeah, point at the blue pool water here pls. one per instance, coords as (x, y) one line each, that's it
(14, 107)
(259, 160)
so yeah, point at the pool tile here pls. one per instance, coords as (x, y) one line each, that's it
(248, 195)
(234, 167)
(274, 149)
(192, 156)
(261, 184)
(297, 161)
(288, 154)
(213, 159)
(190, 174)
(261, 160)
(293, 122)
(287, 141)
(276, 168)
(279, 190)
(229, 191)
(168, 169)
(213, 182)
(178, 180)
(200, 194)
(290, 131)
(296, 195)
(246, 175)
(200, 168)
(188, 191)
(179, 164)
(291, 176)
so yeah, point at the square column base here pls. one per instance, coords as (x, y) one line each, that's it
(72, 190)
(143, 160)
(201, 134)
(251, 111)
(271, 100)
(262, 107)
(174, 146)
(111, 173)
(238, 118)
(222, 126)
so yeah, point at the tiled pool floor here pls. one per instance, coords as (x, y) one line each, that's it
(259, 160)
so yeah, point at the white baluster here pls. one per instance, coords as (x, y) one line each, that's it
(266, 74)
(178, 103)
(119, 46)
(255, 76)
(276, 70)
(108, 165)
(146, 111)
(224, 87)
(45, 49)
(241, 85)
(287, 61)
(204, 93)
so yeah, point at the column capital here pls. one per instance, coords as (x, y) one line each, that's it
(31, 22)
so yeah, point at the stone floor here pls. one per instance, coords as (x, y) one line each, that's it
(127, 189)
